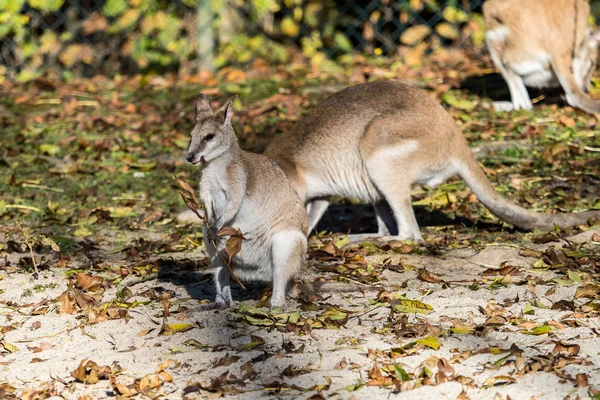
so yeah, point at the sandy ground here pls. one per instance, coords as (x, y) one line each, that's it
(475, 329)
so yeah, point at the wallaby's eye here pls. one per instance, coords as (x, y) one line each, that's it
(209, 137)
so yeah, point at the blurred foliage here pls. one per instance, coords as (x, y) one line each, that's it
(129, 36)
(328, 29)
(103, 37)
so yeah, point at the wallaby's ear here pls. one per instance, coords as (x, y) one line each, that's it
(226, 112)
(201, 104)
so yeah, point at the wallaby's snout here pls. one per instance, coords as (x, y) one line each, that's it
(189, 157)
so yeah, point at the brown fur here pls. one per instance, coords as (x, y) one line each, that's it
(543, 43)
(373, 141)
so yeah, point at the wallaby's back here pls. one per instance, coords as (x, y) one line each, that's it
(326, 142)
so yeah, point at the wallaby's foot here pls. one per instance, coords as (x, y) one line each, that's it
(188, 217)
(413, 237)
(503, 106)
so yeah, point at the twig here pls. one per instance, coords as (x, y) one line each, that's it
(49, 336)
(43, 187)
(22, 207)
(588, 148)
(135, 281)
(191, 201)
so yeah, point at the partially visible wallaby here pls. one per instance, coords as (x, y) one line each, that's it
(373, 141)
(542, 43)
(249, 192)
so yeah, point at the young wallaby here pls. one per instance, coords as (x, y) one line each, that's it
(373, 141)
(542, 43)
(250, 192)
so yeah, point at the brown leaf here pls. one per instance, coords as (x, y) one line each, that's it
(226, 361)
(444, 366)
(35, 325)
(234, 243)
(496, 320)
(87, 282)
(89, 372)
(66, 306)
(188, 194)
(502, 271)
(462, 396)
(564, 305)
(165, 365)
(590, 290)
(561, 347)
(150, 382)
(582, 380)
(427, 276)
(596, 237)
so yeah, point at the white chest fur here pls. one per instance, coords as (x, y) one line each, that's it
(213, 191)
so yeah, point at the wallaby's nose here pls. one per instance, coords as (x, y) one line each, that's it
(189, 157)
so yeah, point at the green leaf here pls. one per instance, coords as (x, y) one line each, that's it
(171, 329)
(112, 8)
(411, 306)
(463, 104)
(401, 373)
(539, 330)
(354, 387)
(256, 341)
(429, 341)
(574, 276)
(50, 149)
(528, 309)
(563, 282)
(46, 5)
(11, 348)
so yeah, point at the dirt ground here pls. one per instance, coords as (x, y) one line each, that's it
(482, 311)
(506, 320)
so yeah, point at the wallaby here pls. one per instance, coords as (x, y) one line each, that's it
(250, 192)
(373, 141)
(542, 43)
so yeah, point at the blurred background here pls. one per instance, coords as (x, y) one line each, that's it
(66, 38)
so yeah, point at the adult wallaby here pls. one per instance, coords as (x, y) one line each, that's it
(542, 43)
(250, 192)
(373, 141)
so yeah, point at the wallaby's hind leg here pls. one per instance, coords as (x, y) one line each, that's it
(315, 210)
(516, 86)
(288, 252)
(396, 190)
(385, 219)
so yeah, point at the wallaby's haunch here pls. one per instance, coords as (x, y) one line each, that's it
(249, 192)
(373, 141)
(542, 43)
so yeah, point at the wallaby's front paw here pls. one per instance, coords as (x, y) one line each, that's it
(503, 106)
(213, 233)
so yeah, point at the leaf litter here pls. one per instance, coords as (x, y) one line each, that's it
(94, 265)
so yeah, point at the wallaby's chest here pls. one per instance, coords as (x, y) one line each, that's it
(214, 192)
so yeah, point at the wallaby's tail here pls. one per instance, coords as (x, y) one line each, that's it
(509, 212)
(576, 97)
